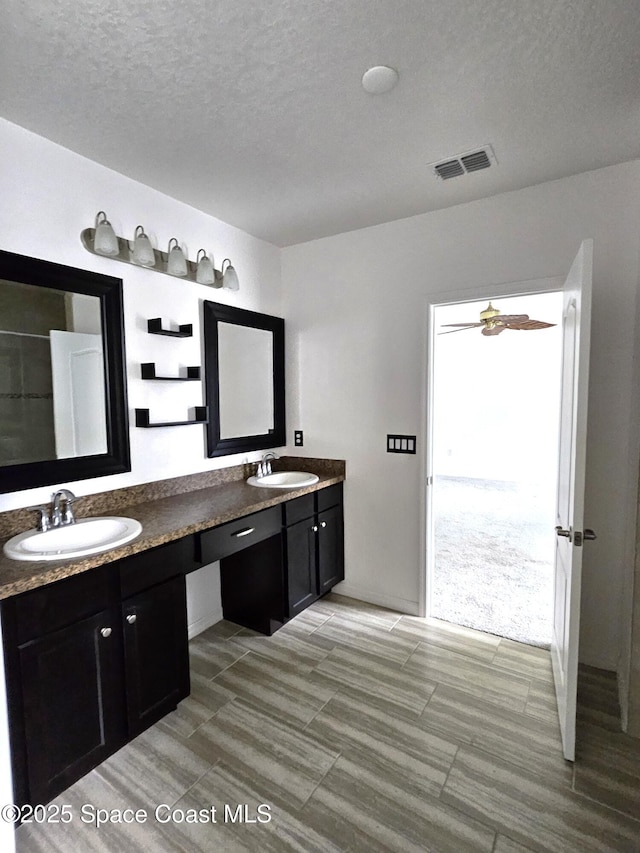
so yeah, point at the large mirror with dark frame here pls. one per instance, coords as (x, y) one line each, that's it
(63, 409)
(244, 375)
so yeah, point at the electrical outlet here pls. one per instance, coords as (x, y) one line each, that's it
(297, 438)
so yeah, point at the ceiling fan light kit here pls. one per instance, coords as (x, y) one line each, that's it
(492, 323)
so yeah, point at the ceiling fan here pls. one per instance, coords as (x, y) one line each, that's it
(493, 322)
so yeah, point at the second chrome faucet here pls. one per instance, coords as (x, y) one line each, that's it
(264, 466)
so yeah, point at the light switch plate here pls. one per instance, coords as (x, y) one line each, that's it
(401, 444)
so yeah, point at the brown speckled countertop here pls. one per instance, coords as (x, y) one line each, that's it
(166, 512)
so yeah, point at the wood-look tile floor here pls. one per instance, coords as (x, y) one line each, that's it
(364, 730)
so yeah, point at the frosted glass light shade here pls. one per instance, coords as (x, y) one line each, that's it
(143, 253)
(230, 276)
(204, 271)
(176, 261)
(105, 241)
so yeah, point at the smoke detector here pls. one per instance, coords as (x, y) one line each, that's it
(379, 79)
(464, 164)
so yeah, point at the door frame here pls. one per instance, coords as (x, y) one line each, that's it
(479, 293)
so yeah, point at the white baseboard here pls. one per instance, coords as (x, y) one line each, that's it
(402, 605)
(203, 623)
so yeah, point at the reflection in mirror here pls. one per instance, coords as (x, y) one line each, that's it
(245, 366)
(52, 401)
(63, 412)
(244, 373)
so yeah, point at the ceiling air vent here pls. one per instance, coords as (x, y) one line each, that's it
(449, 169)
(471, 161)
(474, 162)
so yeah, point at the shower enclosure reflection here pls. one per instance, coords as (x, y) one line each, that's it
(52, 400)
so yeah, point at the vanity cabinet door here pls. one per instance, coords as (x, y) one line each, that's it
(301, 565)
(330, 549)
(314, 547)
(72, 692)
(154, 625)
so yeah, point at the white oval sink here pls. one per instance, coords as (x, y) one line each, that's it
(284, 480)
(83, 537)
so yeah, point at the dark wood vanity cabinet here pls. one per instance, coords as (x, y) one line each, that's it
(156, 653)
(70, 691)
(88, 669)
(94, 659)
(154, 631)
(313, 546)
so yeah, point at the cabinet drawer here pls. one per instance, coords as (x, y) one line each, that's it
(331, 496)
(229, 538)
(149, 568)
(62, 603)
(297, 509)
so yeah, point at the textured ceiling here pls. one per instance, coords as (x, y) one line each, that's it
(253, 111)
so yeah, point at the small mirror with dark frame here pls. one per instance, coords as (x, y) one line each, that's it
(63, 406)
(244, 376)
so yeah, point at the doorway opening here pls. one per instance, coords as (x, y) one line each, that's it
(495, 424)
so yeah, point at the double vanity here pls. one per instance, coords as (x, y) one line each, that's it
(93, 603)
(96, 647)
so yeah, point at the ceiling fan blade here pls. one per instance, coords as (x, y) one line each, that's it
(529, 324)
(463, 329)
(494, 330)
(510, 318)
(466, 325)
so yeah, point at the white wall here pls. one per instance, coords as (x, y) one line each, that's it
(356, 308)
(49, 195)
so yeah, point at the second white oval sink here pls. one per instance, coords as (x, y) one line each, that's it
(83, 537)
(284, 480)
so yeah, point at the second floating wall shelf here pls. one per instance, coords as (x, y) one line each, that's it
(142, 418)
(148, 371)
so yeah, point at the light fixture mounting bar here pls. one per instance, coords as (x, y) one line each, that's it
(126, 251)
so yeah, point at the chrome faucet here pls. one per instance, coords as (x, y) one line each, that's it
(54, 514)
(264, 466)
(60, 515)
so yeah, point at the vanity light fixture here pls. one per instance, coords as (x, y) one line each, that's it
(229, 276)
(205, 273)
(102, 241)
(143, 253)
(105, 241)
(176, 262)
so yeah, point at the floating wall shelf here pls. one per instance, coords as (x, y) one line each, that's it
(148, 371)
(125, 253)
(142, 418)
(154, 327)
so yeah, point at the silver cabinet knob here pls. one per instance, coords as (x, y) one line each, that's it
(315, 528)
(323, 524)
(131, 618)
(106, 632)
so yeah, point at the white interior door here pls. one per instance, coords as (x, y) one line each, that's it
(77, 367)
(570, 503)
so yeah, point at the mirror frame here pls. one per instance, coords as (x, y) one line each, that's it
(116, 460)
(215, 313)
